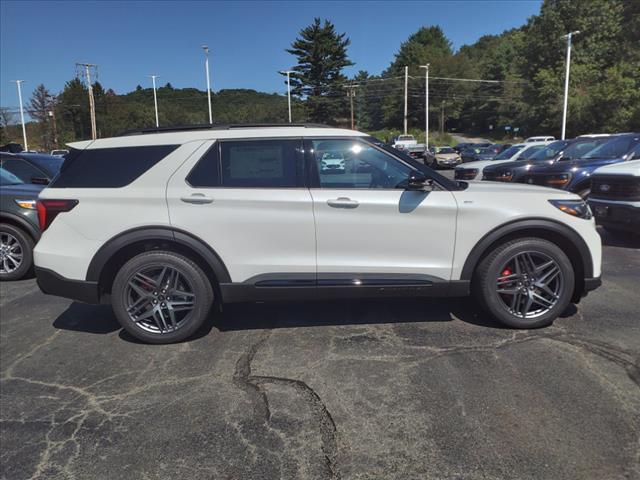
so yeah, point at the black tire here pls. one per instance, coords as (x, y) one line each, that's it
(490, 269)
(197, 280)
(26, 244)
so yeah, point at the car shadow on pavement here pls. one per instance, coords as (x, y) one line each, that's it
(99, 319)
(351, 312)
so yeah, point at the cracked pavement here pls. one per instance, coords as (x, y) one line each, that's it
(402, 389)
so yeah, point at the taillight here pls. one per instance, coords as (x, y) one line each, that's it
(49, 209)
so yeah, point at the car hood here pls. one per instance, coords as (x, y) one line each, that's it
(574, 165)
(447, 156)
(500, 166)
(631, 167)
(481, 164)
(517, 188)
(25, 190)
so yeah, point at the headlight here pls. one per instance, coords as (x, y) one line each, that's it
(505, 176)
(576, 208)
(559, 180)
(29, 204)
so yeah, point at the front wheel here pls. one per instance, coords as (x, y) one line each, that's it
(525, 283)
(161, 297)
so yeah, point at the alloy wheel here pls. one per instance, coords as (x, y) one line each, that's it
(159, 299)
(11, 253)
(530, 284)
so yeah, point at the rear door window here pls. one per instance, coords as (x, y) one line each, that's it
(108, 167)
(270, 163)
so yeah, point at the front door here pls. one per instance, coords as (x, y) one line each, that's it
(368, 227)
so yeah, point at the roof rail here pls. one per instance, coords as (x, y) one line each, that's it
(187, 128)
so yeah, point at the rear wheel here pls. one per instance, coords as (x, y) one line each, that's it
(16, 252)
(525, 283)
(161, 297)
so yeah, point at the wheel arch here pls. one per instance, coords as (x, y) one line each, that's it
(562, 235)
(21, 223)
(106, 263)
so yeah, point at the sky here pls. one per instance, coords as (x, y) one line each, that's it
(40, 42)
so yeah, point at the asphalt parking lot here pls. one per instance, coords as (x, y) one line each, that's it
(352, 389)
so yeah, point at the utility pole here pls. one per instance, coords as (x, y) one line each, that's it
(406, 88)
(206, 67)
(155, 97)
(92, 103)
(568, 36)
(24, 128)
(288, 74)
(426, 105)
(351, 93)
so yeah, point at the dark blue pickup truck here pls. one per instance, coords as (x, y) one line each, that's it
(575, 175)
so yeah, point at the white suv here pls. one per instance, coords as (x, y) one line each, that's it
(163, 224)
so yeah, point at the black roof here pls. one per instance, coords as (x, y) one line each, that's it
(230, 126)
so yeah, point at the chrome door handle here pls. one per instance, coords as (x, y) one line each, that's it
(342, 202)
(197, 198)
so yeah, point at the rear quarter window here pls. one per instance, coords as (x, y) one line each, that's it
(108, 167)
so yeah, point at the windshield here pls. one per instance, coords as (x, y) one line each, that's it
(445, 150)
(8, 178)
(580, 147)
(509, 152)
(530, 152)
(614, 148)
(48, 163)
(548, 152)
(405, 137)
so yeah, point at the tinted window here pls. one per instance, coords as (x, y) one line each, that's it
(530, 152)
(21, 169)
(509, 152)
(108, 167)
(206, 173)
(550, 151)
(613, 149)
(8, 178)
(261, 163)
(580, 147)
(352, 164)
(51, 165)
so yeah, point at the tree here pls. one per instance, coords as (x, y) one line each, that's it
(41, 103)
(318, 78)
(6, 119)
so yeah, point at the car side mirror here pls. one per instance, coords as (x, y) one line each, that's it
(416, 181)
(40, 180)
(564, 159)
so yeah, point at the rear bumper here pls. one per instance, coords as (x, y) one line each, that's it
(52, 283)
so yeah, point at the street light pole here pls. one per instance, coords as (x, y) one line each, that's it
(155, 98)
(406, 87)
(288, 74)
(206, 67)
(426, 106)
(568, 36)
(24, 128)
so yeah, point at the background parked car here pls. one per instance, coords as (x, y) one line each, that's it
(575, 175)
(513, 171)
(442, 157)
(19, 229)
(30, 167)
(520, 151)
(484, 153)
(615, 197)
(59, 153)
(542, 138)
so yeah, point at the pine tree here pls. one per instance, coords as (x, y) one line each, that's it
(322, 54)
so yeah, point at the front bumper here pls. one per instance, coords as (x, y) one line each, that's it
(616, 214)
(52, 283)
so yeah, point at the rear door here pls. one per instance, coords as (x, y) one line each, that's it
(248, 201)
(368, 227)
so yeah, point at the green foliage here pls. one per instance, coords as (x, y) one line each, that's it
(318, 78)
